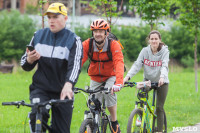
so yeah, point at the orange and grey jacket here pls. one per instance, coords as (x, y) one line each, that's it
(99, 70)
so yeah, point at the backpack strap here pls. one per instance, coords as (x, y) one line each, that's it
(109, 53)
(91, 49)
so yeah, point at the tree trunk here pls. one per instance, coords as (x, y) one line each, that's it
(42, 12)
(195, 60)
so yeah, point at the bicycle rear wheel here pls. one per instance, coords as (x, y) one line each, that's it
(87, 126)
(155, 128)
(134, 122)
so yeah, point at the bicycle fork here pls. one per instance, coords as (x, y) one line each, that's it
(96, 119)
(143, 124)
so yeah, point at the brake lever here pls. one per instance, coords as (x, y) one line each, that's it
(76, 91)
(107, 91)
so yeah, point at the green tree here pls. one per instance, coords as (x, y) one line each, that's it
(106, 8)
(16, 32)
(151, 10)
(190, 16)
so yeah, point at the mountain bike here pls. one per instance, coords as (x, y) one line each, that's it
(143, 118)
(95, 119)
(40, 124)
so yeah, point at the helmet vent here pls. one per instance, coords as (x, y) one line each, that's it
(101, 22)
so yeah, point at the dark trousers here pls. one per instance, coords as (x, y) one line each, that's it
(61, 114)
(161, 97)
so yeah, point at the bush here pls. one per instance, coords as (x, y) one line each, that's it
(187, 61)
(133, 40)
(179, 41)
(84, 33)
(16, 32)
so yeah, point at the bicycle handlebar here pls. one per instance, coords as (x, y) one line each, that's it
(132, 84)
(77, 90)
(50, 102)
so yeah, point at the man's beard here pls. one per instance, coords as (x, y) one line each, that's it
(99, 42)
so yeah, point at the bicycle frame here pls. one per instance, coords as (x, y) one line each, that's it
(97, 110)
(147, 110)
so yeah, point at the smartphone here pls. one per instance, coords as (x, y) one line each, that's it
(31, 48)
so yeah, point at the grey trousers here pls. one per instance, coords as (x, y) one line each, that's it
(161, 97)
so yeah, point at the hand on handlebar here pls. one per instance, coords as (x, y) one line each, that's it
(160, 82)
(116, 88)
(126, 79)
(67, 91)
(144, 84)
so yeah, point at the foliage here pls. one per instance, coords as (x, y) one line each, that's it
(84, 33)
(189, 12)
(106, 8)
(133, 40)
(190, 16)
(151, 10)
(16, 32)
(179, 40)
(30, 9)
(187, 61)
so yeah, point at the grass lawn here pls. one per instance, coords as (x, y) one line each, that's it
(182, 105)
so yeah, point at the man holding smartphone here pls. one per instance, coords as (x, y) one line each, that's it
(58, 53)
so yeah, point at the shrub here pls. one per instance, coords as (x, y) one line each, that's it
(179, 41)
(16, 32)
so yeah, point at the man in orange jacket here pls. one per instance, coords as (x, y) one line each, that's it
(103, 70)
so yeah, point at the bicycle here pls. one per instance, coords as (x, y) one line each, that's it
(143, 118)
(95, 119)
(39, 122)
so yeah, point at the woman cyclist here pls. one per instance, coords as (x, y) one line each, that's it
(154, 58)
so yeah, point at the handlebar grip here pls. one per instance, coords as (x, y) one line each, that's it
(61, 101)
(9, 103)
(66, 101)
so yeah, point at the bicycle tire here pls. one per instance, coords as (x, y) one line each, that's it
(86, 125)
(104, 126)
(132, 126)
(164, 124)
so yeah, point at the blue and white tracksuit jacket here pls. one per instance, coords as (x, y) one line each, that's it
(60, 62)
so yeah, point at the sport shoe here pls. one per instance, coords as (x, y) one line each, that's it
(115, 127)
(138, 121)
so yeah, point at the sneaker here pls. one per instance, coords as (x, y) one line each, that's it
(138, 122)
(115, 127)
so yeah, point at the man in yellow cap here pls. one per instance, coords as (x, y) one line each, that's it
(58, 53)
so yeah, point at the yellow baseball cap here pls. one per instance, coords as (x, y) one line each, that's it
(57, 8)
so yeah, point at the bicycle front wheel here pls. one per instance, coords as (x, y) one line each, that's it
(134, 122)
(87, 126)
(155, 128)
(104, 125)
